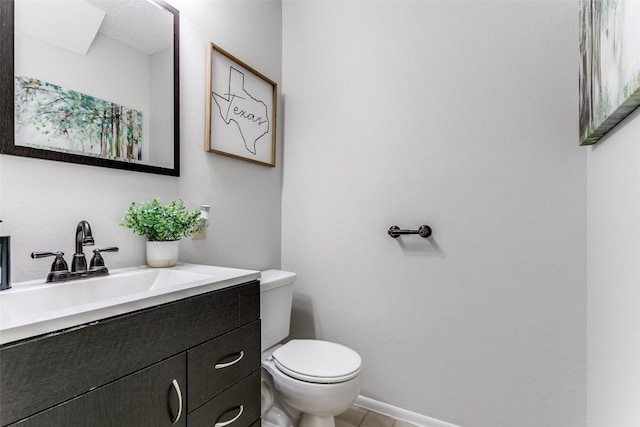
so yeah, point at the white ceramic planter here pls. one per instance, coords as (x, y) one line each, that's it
(162, 254)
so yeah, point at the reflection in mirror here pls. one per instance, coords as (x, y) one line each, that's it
(95, 82)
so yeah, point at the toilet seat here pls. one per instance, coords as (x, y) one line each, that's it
(316, 361)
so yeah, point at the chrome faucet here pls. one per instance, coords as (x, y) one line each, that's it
(83, 238)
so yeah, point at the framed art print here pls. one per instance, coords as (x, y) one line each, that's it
(609, 65)
(240, 110)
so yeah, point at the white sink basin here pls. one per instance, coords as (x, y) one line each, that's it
(34, 308)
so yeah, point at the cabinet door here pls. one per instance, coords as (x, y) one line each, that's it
(153, 397)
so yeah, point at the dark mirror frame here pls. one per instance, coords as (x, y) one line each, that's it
(7, 138)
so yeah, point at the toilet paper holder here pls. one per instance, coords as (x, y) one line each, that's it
(423, 231)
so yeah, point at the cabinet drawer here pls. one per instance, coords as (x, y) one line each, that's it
(240, 403)
(144, 399)
(220, 363)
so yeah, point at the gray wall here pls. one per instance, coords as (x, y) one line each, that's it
(42, 201)
(461, 115)
(614, 274)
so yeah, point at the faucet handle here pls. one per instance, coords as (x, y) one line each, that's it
(109, 249)
(59, 264)
(97, 260)
(39, 254)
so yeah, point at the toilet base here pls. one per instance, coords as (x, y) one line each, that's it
(308, 420)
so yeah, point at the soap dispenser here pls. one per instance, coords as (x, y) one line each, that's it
(5, 262)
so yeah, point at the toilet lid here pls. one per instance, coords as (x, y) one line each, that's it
(317, 361)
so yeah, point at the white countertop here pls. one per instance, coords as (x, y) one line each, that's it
(33, 308)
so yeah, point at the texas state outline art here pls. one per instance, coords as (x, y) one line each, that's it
(238, 106)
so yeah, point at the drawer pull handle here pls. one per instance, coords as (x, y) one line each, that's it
(233, 362)
(176, 387)
(226, 423)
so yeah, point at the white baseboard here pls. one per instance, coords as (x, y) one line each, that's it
(399, 413)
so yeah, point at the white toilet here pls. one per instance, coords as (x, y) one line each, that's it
(308, 381)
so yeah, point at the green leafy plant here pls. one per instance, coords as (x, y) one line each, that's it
(160, 223)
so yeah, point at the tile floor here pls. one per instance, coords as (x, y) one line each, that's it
(359, 417)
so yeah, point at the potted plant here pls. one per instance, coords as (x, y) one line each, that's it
(163, 226)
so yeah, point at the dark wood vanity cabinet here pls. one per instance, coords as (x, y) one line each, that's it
(191, 362)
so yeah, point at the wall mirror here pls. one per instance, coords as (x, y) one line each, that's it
(91, 81)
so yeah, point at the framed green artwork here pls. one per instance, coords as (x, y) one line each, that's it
(609, 65)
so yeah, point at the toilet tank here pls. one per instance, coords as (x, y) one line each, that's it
(276, 295)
